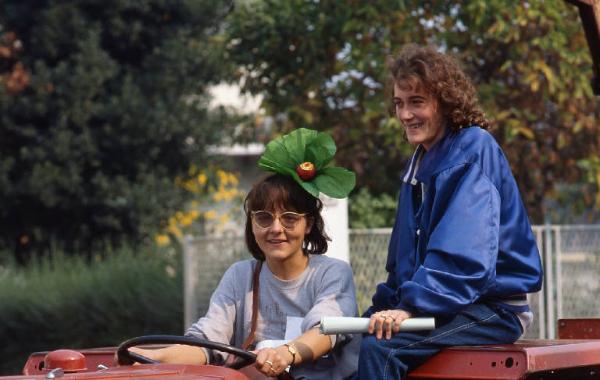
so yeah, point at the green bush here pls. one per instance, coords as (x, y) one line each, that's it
(371, 211)
(67, 302)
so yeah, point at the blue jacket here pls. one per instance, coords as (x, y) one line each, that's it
(461, 233)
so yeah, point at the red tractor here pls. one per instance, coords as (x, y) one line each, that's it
(575, 355)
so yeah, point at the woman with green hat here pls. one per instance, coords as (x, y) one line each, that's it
(296, 285)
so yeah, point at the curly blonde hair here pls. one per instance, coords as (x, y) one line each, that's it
(441, 76)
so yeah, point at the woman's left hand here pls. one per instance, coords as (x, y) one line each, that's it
(385, 322)
(271, 362)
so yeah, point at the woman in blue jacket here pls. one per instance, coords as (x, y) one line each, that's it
(462, 248)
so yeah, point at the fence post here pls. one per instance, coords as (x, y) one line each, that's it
(558, 259)
(335, 216)
(549, 283)
(541, 297)
(190, 282)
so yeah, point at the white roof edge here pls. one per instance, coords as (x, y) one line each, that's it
(252, 149)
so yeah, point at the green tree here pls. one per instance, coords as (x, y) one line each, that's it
(367, 211)
(322, 64)
(111, 105)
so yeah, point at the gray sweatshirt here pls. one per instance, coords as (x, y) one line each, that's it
(325, 288)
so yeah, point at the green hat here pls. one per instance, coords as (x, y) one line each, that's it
(304, 154)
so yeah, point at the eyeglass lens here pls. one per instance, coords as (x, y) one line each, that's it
(287, 219)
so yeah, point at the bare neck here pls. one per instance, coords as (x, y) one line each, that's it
(289, 268)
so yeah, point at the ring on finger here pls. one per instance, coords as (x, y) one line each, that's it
(383, 315)
(270, 363)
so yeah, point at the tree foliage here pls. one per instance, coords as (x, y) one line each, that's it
(322, 64)
(103, 104)
(368, 211)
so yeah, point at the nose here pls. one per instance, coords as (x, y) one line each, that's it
(276, 226)
(404, 114)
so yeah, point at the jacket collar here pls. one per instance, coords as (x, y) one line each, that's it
(413, 167)
(424, 163)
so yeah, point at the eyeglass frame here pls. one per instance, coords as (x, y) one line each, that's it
(276, 217)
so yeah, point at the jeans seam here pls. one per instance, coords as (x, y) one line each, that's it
(433, 339)
(387, 360)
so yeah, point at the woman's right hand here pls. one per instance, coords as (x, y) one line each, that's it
(385, 322)
(271, 361)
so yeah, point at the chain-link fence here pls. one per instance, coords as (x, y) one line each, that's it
(578, 269)
(204, 262)
(368, 255)
(570, 255)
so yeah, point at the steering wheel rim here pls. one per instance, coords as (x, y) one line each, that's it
(124, 356)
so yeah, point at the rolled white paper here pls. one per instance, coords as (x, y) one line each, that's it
(350, 325)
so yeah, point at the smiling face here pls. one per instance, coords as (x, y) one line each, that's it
(419, 113)
(279, 243)
(276, 195)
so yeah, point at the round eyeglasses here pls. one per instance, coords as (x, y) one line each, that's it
(265, 219)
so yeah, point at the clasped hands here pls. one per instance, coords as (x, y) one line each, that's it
(384, 323)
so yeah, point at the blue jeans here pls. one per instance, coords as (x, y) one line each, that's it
(477, 324)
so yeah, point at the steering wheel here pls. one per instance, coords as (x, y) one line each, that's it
(124, 356)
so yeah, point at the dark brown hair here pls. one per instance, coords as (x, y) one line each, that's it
(441, 76)
(278, 191)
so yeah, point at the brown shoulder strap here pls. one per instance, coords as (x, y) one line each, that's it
(255, 285)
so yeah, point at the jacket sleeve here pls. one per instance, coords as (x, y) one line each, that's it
(385, 292)
(461, 244)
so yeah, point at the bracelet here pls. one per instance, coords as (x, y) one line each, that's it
(292, 350)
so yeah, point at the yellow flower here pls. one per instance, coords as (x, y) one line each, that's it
(229, 194)
(209, 184)
(211, 214)
(223, 218)
(162, 239)
(190, 186)
(186, 221)
(202, 179)
(223, 177)
(233, 180)
(175, 231)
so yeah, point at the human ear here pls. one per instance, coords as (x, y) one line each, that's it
(309, 224)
